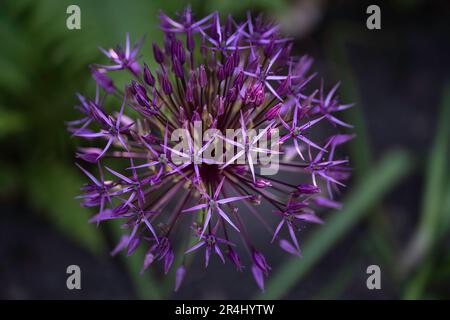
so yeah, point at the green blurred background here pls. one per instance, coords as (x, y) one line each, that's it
(396, 211)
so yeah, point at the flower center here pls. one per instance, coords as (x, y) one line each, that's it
(212, 204)
(162, 158)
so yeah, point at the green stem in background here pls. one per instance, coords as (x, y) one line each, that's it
(338, 284)
(415, 287)
(435, 183)
(380, 234)
(364, 196)
(435, 212)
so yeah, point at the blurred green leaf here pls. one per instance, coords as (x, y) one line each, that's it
(436, 174)
(364, 196)
(52, 188)
(338, 283)
(342, 36)
(12, 77)
(10, 122)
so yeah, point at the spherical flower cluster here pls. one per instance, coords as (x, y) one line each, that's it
(210, 75)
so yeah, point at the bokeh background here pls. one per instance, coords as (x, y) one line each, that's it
(396, 210)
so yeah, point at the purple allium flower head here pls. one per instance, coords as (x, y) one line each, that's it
(243, 78)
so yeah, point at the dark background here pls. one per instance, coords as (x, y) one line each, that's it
(397, 76)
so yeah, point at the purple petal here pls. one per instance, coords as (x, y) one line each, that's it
(288, 247)
(258, 276)
(224, 215)
(179, 277)
(195, 208)
(277, 230)
(207, 256)
(309, 217)
(149, 258)
(232, 199)
(121, 245)
(327, 203)
(195, 247)
(168, 260)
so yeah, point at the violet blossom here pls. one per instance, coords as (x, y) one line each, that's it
(243, 77)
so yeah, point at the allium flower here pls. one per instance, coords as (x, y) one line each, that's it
(210, 76)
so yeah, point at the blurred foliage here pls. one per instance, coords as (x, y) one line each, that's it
(433, 226)
(52, 191)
